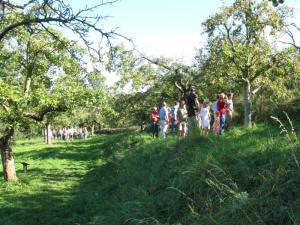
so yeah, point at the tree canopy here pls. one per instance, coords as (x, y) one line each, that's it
(44, 76)
(41, 71)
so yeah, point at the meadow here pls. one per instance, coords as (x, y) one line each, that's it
(244, 177)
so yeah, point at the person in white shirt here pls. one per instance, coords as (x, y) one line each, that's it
(164, 118)
(205, 117)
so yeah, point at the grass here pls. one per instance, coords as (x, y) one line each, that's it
(245, 177)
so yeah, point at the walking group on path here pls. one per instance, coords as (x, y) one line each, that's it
(189, 115)
(69, 133)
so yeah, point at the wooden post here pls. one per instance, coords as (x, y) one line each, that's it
(25, 164)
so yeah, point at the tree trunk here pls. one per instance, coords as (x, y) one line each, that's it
(8, 163)
(27, 86)
(48, 134)
(93, 129)
(247, 104)
(45, 134)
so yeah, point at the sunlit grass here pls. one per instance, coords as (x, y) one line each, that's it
(245, 177)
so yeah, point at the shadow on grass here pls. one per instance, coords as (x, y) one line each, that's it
(67, 206)
(145, 181)
(78, 150)
(174, 184)
(45, 207)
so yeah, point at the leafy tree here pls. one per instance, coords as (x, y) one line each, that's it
(150, 81)
(29, 86)
(98, 113)
(239, 45)
(39, 75)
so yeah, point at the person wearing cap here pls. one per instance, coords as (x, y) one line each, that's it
(154, 117)
(164, 118)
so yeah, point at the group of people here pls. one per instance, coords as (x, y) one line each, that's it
(69, 133)
(188, 115)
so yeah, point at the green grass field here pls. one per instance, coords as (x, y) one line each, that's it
(245, 177)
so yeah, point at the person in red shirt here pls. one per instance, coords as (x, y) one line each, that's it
(222, 109)
(154, 117)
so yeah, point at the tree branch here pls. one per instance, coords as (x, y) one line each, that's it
(30, 21)
(179, 87)
(156, 62)
(256, 90)
(228, 37)
(62, 15)
(291, 35)
(11, 5)
(40, 116)
(5, 107)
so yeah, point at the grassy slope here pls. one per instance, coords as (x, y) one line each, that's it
(129, 178)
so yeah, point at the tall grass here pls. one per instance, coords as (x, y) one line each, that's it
(245, 177)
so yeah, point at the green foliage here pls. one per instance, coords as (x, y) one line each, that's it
(240, 54)
(147, 82)
(237, 39)
(241, 49)
(141, 86)
(42, 75)
(132, 69)
(130, 178)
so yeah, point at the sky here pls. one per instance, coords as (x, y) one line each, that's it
(170, 28)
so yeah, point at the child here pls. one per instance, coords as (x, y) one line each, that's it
(205, 117)
(216, 125)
